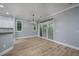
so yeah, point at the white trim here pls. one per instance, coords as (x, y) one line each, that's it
(47, 23)
(44, 23)
(27, 37)
(6, 51)
(60, 11)
(68, 45)
(14, 30)
(16, 25)
(65, 10)
(65, 44)
(38, 29)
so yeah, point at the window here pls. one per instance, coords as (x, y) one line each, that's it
(18, 25)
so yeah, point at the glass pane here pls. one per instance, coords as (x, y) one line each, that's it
(44, 30)
(19, 26)
(40, 30)
(50, 31)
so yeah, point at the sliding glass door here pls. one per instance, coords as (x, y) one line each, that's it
(46, 30)
(50, 30)
(40, 30)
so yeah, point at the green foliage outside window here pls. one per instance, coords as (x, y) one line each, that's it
(19, 26)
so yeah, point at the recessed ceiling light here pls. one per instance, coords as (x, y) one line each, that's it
(7, 13)
(1, 6)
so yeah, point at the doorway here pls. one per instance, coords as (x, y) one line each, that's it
(43, 30)
(46, 30)
(50, 30)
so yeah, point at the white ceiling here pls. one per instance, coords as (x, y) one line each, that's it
(25, 10)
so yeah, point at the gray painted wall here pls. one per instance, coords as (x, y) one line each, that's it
(6, 39)
(27, 29)
(66, 27)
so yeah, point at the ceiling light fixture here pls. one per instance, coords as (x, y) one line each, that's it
(7, 13)
(34, 23)
(2, 6)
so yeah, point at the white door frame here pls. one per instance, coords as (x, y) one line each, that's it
(46, 23)
(46, 28)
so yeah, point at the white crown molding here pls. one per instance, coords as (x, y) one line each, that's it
(66, 9)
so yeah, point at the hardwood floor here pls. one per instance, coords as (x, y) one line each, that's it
(40, 47)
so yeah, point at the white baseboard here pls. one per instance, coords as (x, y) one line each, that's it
(6, 51)
(68, 45)
(65, 44)
(27, 37)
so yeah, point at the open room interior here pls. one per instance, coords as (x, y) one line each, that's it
(39, 29)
